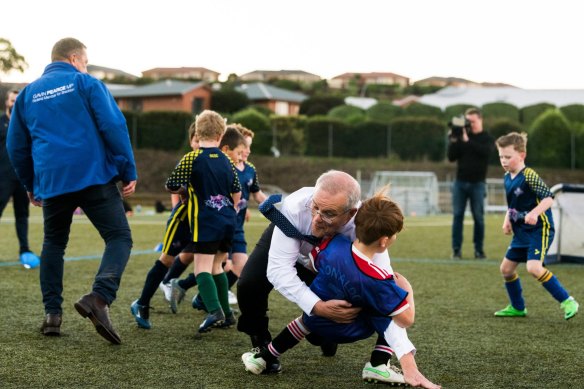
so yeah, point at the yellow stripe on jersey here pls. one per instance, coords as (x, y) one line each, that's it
(177, 218)
(193, 213)
(545, 235)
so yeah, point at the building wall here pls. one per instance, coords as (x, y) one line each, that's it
(182, 103)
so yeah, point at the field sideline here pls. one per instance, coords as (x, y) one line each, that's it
(460, 343)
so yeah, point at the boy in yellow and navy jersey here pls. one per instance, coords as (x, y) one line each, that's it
(529, 218)
(175, 257)
(207, 180)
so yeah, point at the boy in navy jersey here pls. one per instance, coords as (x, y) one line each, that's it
(175, 257)
(529, 218)
(207, 180)
(346, 272)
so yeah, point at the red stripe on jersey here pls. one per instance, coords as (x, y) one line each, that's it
(369, 268)
(317, 249)
(400, 308)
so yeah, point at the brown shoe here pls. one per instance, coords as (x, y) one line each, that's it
(52, 324)
(94, 308)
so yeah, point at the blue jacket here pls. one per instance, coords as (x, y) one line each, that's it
(66, 133)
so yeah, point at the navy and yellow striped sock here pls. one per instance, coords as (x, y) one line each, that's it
(515, 292)
(551, 283)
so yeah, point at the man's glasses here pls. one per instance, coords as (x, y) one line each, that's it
(328, 217)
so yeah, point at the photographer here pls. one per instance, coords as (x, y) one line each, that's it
(470, 146)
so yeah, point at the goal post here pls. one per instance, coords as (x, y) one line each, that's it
(568, 214)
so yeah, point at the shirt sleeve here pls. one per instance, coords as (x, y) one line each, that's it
(537, 185)
(181, 174)
(282, 273)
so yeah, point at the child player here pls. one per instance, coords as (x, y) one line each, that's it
(346, 272)
(206, 178)
(529, 218)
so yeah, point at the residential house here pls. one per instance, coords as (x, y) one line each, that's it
(299, 76)
(186, 73)
(167, 95)
(345, 79)
(457, 82)
(278, 100)
(105, 74)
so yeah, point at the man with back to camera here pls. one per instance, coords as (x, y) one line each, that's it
(471, 149)
(69, 144)
(10, 186)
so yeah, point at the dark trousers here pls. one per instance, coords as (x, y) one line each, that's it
(103, 206)
(253, 288)
(20, 203)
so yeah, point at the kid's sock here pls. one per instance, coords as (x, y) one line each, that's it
(176, 269)
(208, 291)
(231, 278)
(221, 285)
(551, 283)
(188, 282)
(515, 292)
(381, 353)
(153, 279)
(288, 338)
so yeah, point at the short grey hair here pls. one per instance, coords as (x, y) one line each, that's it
(64, 48)
(335, 181)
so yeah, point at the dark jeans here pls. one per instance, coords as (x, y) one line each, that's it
(20, 203)
(103, 206)
(463, 192)
(253, 288)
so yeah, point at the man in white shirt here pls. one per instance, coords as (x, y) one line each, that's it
(323, 210)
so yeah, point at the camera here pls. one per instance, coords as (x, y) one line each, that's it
(456, 124)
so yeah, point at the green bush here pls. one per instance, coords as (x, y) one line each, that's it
(362, 140)
(320, 130)
(574, 113)
(420, 110)
(320, 105)
(345, 112)
(414, 138)
(260, 125)
(549, 142)
(289, 132)
(494, 111)
(530, 113)
(228, 100)
(384, 112)
(161, 130)
(456, 110)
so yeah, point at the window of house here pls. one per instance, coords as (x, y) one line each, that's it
(281, 108)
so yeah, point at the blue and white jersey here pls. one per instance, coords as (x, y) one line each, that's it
(344, 273)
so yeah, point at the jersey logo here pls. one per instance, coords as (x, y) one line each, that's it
(518, 192)
(218, 202)
(214, 155)
(537, 252)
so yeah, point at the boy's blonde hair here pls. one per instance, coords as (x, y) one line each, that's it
(377, 217)
(209, 125)
(515, 139)
(244, 131)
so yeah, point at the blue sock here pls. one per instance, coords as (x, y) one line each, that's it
(553, 286)
(515, 293)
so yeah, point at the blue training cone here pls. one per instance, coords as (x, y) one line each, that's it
(158, 247)
(29, 260)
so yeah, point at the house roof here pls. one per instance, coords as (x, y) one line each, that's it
(261, 91)
(279, 72)
(518, 97)
(95, 68)
(183, 69)
(369, 75)
(162, 88)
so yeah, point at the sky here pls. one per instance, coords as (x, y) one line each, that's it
(533, 44)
